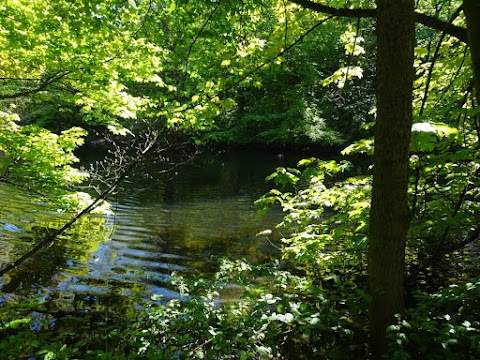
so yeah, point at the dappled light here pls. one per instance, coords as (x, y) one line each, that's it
(239, 179)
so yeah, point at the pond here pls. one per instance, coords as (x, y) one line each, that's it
(161, 224)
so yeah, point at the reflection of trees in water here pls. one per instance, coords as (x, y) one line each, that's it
(37, 272)
(67, 253)
(163, 223)
(201, 247)
(222, 174)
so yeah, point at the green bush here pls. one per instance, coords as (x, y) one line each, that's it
(442, 325)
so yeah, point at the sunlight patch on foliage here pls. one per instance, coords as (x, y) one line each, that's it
(38, 160)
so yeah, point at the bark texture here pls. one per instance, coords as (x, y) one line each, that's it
(471, 8)
(389, 209)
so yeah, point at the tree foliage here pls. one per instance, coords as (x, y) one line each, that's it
(249, 71)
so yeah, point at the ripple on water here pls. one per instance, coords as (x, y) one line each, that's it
(161, 225)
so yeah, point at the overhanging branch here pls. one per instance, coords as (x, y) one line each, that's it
(51, 237)
(456, 31)
(342, 12)
(43, 85)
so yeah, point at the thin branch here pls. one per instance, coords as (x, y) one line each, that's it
(286, 22)
(44, 84)
(468, 240)
(196, 38)
(273, 245)
(456, 31)
(352, 53)
(434, 60)
(147, 13)
(236, 83)
(281, 53)
(452, 80)
(438, 251)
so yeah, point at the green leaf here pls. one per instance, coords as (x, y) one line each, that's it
(263, 351)
(420, 52)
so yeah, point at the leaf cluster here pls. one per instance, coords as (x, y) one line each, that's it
(326, 216)
(33, 158)
(444, 325)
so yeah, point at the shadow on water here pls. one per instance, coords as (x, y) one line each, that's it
(162, 224)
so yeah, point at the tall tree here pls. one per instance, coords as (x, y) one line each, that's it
(471, 8)
(388, 222)
(389, 208)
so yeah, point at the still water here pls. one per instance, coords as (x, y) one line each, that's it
(161, 224)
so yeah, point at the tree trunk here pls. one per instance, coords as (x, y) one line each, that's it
(389, 209)
(471, 8)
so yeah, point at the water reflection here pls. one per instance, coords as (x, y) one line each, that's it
(162, 224)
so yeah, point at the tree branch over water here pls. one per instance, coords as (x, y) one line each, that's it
(51, 237)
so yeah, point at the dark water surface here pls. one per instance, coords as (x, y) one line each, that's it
(161, 224)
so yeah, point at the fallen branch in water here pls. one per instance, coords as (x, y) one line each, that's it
(52, 235)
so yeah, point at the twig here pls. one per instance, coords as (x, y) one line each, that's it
(434, 60)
